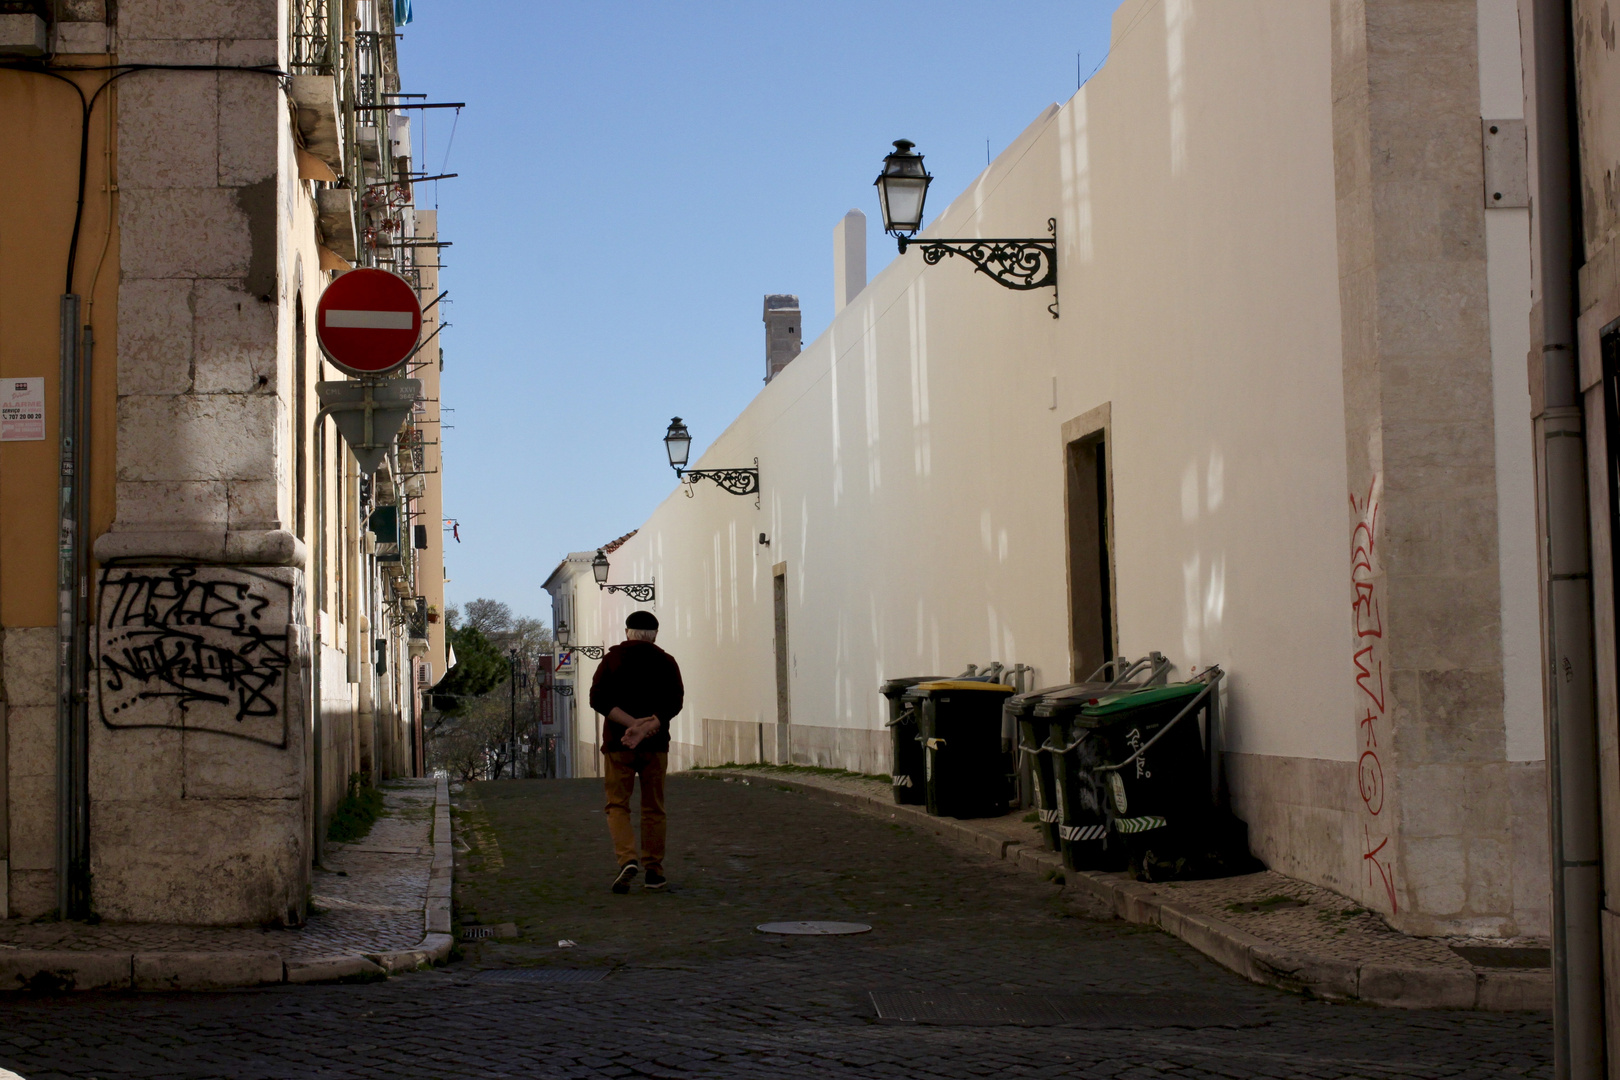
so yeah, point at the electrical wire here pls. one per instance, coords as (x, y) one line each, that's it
(110, 187)
(87, 107)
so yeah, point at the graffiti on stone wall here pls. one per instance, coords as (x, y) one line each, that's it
(199, 648)
(1371, 698)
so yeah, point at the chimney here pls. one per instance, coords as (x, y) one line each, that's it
(849, 258)
(782, 332)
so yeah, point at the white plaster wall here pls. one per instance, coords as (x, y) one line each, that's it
(911, 458)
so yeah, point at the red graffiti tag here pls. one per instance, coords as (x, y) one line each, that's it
(1368, 621)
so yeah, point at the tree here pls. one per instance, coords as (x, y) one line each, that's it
(480, 667)
(492, 617)
(471, 737)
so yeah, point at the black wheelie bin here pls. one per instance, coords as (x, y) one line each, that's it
(960, 725)
(906, 770)
(1082, 817)
(1033, 728)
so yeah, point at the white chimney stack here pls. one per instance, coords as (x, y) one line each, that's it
(849, 258)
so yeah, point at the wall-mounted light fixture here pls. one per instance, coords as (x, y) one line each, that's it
(678, 442)
(1014, 264)
(641, 594)
(563, 690)
(594, 652)
(564, 632)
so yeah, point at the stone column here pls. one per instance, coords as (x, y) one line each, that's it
(1433, 825)
(197, 722)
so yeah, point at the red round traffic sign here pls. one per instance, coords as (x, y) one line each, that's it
(368, 321)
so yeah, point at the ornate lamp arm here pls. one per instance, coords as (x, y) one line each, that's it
(1013, 264)
(736, 481)
(641, 594)
(594, 652)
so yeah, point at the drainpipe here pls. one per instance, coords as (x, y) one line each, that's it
(67, 615)
(317, 706)
(80, 877)
(1572, 778)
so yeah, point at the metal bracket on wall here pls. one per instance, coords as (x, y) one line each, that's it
(1011, 263)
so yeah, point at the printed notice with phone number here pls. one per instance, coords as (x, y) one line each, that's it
(22, 409)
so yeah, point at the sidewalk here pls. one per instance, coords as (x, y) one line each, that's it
(1270, 928)
(379, 906)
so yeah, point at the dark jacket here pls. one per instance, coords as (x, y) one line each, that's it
(643, 680)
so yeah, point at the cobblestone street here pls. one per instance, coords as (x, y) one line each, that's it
(691, 990)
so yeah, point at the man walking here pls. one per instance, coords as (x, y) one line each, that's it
(638, 691)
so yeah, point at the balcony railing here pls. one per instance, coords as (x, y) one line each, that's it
(311, 50)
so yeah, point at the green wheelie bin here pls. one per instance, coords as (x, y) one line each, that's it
(960, 725)
(1147, 754)
(1135, 785)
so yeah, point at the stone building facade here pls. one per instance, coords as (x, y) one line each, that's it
(256, 610)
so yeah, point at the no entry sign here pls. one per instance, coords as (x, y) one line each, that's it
(368, 321)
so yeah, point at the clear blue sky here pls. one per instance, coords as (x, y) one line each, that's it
(634, 177)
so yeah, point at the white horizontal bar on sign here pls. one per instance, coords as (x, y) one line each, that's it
(371, 320)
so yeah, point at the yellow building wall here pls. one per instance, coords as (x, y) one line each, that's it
(40, 130)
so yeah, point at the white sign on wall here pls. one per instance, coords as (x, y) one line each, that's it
(22, 409)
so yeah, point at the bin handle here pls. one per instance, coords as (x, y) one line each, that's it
(1212, 676)
(901, 719)
(1065, 749)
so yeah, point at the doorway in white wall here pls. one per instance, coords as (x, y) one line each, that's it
(1090, 544)
(784, 711)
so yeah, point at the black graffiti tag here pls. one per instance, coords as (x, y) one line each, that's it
(197, 640)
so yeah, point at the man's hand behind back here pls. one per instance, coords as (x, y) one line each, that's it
(643, 728)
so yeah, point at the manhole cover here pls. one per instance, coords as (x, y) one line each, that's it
(542, 975)
(1094, 1011)
(812, 928)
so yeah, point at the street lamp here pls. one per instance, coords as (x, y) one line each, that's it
(1011, 263)
(678, 442)
(642, 594)
(511, 731)
(564, 632)
(902, 188)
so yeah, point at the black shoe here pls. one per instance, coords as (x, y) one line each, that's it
(655, 880)
(627, 874)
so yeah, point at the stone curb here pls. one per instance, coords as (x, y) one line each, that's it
(1255, 959)
(59, 970)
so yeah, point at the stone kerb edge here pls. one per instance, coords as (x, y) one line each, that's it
(1249, 956)
(53, 970)
(436, 943)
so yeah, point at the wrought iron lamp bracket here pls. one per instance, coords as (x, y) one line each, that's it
(593, 652)
(641, 594)
(1011, 263)
(734, 481)
(563, 691)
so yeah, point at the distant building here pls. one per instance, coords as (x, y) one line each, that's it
(783, 332)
